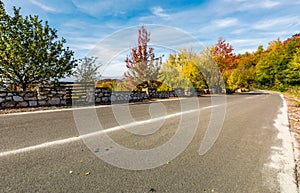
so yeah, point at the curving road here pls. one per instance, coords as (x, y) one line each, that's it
(46, 152)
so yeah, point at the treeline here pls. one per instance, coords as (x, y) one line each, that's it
(279, 65)
(218, 67)
(276, 67)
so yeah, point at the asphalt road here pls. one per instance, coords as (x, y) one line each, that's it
(61, 151)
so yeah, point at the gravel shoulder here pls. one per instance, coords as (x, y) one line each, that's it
(293, 103)
(19, 110)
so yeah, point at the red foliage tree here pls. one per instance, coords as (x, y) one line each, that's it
(291, 38)
(226, 60)
(142, 65)
(224, 56)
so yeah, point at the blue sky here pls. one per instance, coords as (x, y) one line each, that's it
(243, 23)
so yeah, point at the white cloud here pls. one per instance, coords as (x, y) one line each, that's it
(239, 31)
(42, 6)
(269, 4)
(280, 22)
(100, 8)
(248, 42)
(227, 22)
(254, 4)
(158, 11)
(247, 45)
(82, 46)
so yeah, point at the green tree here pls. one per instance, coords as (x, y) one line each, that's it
(293, 70)
(291, 54)
(269, 70)
(291, 46)
(29, 51)
(277, 66)
(87, 70)
(3, 14)
(237, 80)
(210, 66)
(246, 66)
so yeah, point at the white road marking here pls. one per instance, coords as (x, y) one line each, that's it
(52, 110)
(80, 108)
(116, 128)
(49, 111)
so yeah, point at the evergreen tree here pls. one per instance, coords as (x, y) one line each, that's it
(29, 51)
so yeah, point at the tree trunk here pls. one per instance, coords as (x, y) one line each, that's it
(24, 86)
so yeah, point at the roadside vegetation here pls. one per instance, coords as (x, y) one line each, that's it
(217, 67)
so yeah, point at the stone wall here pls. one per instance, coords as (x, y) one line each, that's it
(104, 95)
(161, 94)
(81, 95)
(51, 96)
(42, 97)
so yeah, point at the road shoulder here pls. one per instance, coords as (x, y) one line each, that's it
(293, 104)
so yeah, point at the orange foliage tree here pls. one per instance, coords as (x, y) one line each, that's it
(225, 59)
(142, 65)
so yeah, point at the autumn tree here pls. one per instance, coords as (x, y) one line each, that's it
(225, 59)
(189, 62)
(181, 71)
(30, 52)
(143, 67)
(194, 75)
(171, 73)
(293, 39)
(224, 56)
(237, 79)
